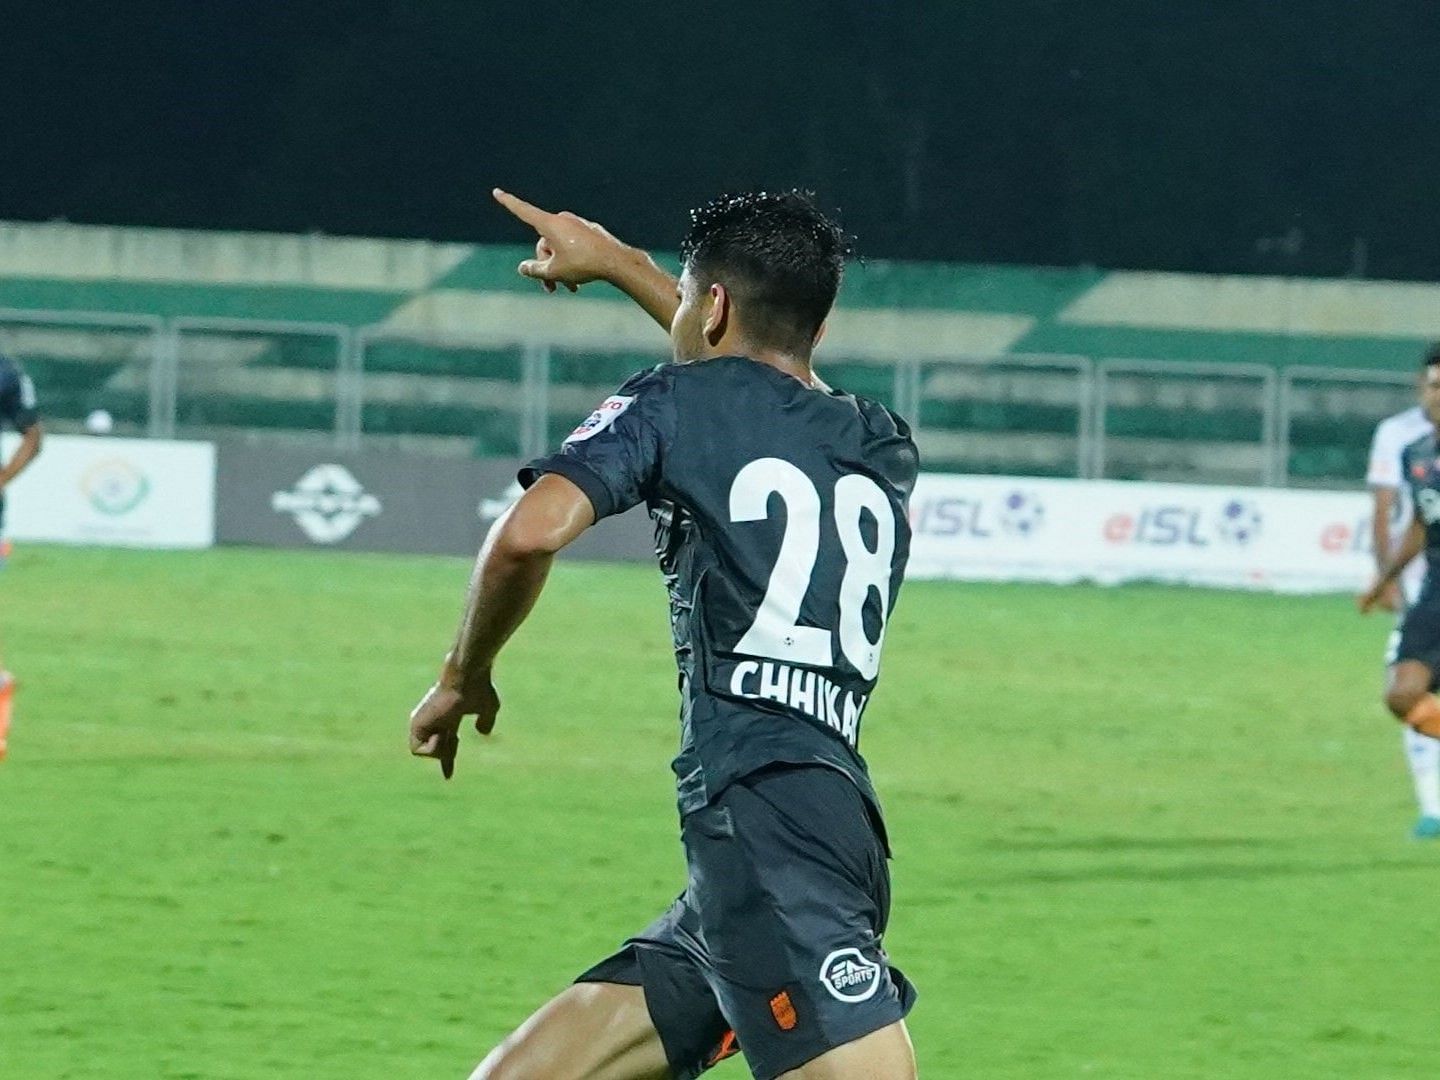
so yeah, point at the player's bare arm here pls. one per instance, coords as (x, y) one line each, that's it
(1381, 514)
(573, 251)
(509, 575)
(25, 453)
(1391, 568)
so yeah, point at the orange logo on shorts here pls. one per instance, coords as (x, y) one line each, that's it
(783, 1010)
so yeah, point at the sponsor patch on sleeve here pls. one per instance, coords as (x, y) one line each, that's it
(608, 412)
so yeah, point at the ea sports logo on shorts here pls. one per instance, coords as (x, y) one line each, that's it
(849, 976)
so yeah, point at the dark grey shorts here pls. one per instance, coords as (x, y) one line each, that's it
(1420, 631)
(776, 942)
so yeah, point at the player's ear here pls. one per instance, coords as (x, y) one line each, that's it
(718, 317)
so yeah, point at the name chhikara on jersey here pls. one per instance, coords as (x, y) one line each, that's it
(800, 689)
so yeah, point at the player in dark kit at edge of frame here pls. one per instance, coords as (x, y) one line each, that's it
(781, 529)
(1415, 671)
(18, 410)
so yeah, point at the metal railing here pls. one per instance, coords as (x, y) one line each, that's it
(1341, 449)
(130, 349)
(210, 358)
(412, 389)
(1013, 413)
(1196, 389)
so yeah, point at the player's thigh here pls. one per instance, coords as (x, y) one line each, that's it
(1409, 677)
(1419, 641)
(1416, 657)
(667, 961)
(592, 1031)
(886, 1053)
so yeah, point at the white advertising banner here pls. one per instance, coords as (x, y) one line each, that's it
(997, 528)
(126, 492)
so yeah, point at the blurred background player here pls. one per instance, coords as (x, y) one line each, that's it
(1415, 657)
(1393, 512)
(17, 409)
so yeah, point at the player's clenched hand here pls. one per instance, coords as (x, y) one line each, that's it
(435, 722)
(571, 251)
(1391, 598)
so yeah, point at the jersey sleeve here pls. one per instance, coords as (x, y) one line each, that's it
(18, 405)
(615, 455)
(1385, 452)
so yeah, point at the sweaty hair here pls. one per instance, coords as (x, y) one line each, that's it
(777, 254)
(1432, 357)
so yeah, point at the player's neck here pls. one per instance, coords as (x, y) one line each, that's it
(787, 363)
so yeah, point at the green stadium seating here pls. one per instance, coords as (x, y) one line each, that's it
(471, 400)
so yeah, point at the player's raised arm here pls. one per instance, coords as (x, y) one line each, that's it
(572, 251)
(509, 574)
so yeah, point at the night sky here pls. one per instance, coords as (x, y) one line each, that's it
(1299, 137)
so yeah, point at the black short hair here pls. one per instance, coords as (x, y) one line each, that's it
(1432, 357)
(780, 257)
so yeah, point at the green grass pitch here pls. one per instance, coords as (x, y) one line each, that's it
(1141, 833)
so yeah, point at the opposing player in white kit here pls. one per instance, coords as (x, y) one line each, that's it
(1392, 516)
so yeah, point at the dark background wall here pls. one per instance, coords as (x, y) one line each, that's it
(1213, 135)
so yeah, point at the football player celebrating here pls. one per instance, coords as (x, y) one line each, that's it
(782, 536)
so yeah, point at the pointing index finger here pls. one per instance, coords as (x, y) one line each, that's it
(448, 749)
(531, 215)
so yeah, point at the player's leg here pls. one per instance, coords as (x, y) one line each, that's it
(645, 1012)
(7, 703)
(1422, 753)
(886, 1053)
(1408, 695)
(1422, 757)
(789, 875)
(592, 1031)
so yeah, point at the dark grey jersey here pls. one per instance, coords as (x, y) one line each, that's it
(782, 532)
(1420, 465)
(17, 397)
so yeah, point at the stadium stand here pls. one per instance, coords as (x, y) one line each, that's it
(1006, 369)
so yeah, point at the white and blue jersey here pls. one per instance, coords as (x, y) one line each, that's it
(1392, 436)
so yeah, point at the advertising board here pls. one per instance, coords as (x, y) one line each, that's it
(368, 501)
(84, 489)
(1001, 528)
